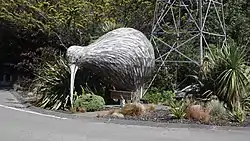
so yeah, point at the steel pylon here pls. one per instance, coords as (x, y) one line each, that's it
(184, 30)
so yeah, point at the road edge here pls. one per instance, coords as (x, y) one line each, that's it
(122, 121)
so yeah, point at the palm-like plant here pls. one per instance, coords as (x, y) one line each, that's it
(109, 25)
(178, 108)
(237, 114)
(104, 28)
(53, 84)
(231, 82)
(224, 74)
(53, 80)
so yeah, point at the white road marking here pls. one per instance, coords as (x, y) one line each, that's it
(31, 112)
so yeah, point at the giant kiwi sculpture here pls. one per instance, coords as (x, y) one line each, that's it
(123, 57)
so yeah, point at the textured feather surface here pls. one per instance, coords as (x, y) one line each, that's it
(123, 57)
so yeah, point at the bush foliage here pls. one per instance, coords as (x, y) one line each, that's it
(89, 101)
(28, 26)
(159, 97)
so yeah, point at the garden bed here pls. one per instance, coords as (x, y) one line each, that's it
(159, 115)
(164, 116)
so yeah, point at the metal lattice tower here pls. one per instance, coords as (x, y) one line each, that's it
(184, 29)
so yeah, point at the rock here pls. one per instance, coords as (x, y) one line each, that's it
(117, 115)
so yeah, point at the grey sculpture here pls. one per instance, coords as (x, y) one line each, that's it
(123, 57)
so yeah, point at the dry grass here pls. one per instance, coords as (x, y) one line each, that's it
(196, 112)
(103, 114)
(73, 110)
(130, 109)
(133, 109)
(81, 109)
(150, 107)
(114, 111)
(77, 110)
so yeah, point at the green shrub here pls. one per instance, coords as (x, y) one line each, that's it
(89, 101)
(158, 97)
(217, 110)
(169, 97)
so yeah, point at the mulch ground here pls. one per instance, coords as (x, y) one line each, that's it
(164, 116)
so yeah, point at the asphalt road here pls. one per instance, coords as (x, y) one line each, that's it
(21, 124)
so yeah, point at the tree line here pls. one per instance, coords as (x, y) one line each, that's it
(33, 31)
